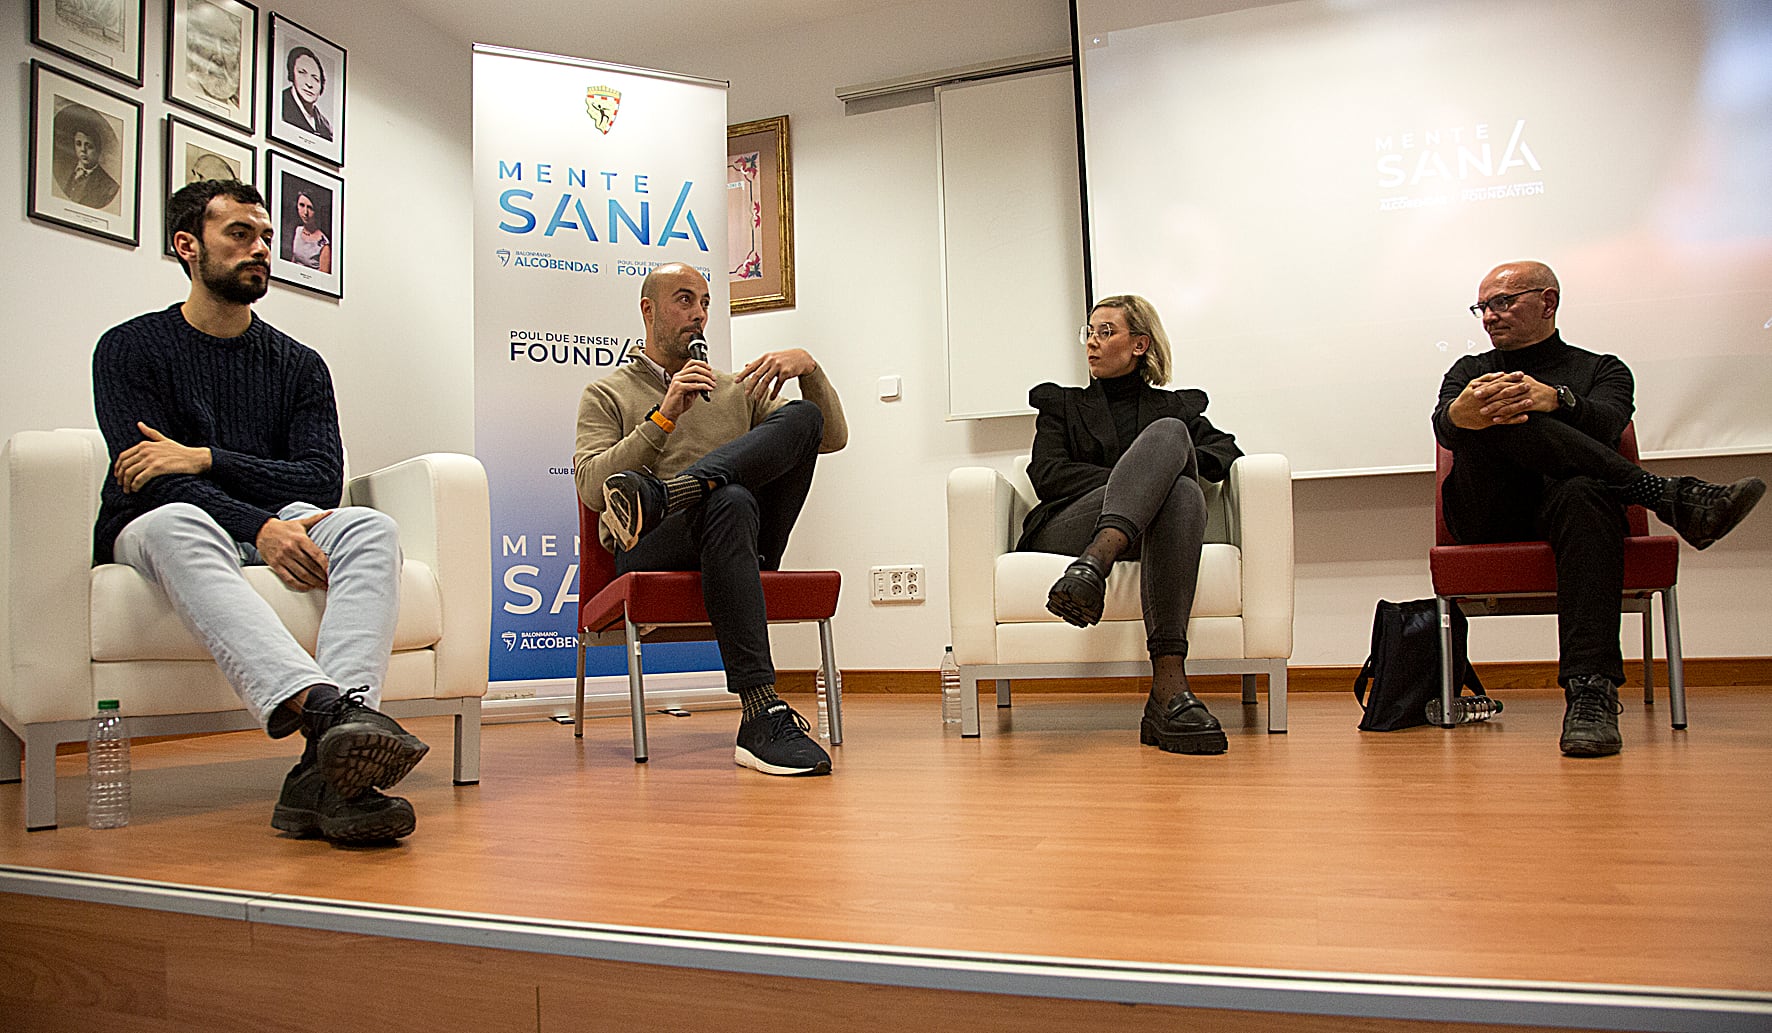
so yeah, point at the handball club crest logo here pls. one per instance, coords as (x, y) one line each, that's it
(601, 103)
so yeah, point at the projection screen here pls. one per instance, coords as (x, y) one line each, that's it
(1309, 192)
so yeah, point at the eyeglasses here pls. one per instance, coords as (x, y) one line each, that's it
(1099, 333)
(1502, 302)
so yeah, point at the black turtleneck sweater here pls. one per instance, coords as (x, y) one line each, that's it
(1604, 389)
(1122, 398)
(261, 403)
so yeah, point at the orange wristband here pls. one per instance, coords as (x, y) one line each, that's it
(664, 423)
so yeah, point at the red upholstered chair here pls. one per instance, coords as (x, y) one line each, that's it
(666, 606)
(1521, 577)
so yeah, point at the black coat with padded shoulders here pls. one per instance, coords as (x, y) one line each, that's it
(1076, 447)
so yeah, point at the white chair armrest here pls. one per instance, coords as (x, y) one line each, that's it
(1260, 497)
(48, 500)
(440, 502)
(981, 527)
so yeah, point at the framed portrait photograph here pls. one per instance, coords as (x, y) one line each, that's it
(212, 59)
(760, 215)
(193, 153)
(86, 156)
(307, 205)
(102, 34)
(305, 91)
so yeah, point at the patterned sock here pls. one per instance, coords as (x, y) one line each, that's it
(1109, 544)
(683, 491)
(1168, 678)
(757, 699)
(1645, 489)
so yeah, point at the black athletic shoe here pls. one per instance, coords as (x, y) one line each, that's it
(1184, 725)
(1703, 512)
(1590, 717)
(1079, 594)
(775, 742)
(633, 504)
(310, 806)
(358, 748)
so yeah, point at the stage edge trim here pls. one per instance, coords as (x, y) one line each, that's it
(1650, 1009)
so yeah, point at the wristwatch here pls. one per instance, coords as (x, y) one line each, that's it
(1565, 397)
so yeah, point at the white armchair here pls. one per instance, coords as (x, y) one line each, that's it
(1242, 617)
(72, 634)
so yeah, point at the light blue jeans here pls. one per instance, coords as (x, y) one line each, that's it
(183, 550)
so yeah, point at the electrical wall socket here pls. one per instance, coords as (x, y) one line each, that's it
(897, 584)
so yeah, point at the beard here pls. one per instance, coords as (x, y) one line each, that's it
(227, 284)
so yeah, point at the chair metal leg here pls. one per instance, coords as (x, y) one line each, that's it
(1648, 657)
(1676, 664)
(833, 686)
(39, 779)
(578, 705)
(636, 693)
(1276, 699)
(1003, 701)
(12, 754)
(1249, 681)
(1447, 689)
(969, 702)
(467, 741)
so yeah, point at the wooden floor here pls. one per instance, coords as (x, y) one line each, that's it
(1477, 852)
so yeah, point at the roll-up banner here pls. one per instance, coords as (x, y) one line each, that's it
(586, 176)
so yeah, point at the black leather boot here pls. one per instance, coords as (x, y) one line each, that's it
(1183, 725)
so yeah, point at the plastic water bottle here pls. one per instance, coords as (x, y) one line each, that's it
(1465, 709)
(950, 688)
(107, 769)
(824, 712)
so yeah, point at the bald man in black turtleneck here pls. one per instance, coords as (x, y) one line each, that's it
(1533, 427)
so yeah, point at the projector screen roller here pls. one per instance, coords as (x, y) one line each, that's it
(1310, 192)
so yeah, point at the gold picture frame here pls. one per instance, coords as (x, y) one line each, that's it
(760, 215)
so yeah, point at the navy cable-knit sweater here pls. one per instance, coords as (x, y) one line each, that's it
(261, 403)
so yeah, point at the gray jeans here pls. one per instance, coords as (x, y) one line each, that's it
(183, 550)
(1152, 496)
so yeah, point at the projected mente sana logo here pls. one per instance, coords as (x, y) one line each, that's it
(1459, 164)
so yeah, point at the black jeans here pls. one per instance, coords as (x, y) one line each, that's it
(1543, 480)
(740, 529)
(1152, 497)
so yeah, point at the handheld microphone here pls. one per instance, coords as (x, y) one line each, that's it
(698, 350)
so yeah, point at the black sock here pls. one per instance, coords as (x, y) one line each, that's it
(1645, 489)
(320, 698)
(757, 699)
(683, 491)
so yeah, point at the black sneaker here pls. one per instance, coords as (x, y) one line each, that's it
(359, 748)
(1703, 512)
(775, 742)
(633, 504)
(310, 806)
(1184, 725)
(1590, 717)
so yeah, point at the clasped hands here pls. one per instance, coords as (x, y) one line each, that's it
(1499, 400)
(763, 377)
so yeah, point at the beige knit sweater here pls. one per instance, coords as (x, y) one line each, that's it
(615, 435)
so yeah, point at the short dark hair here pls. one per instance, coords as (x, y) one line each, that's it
(188, 208)
(300, 52)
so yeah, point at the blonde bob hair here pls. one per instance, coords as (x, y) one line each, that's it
(1141, 318)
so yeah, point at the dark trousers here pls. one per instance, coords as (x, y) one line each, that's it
(1153, 498)
(740, 529)
(1543, 480)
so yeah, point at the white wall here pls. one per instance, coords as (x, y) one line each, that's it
(398, 344)
(869, 305)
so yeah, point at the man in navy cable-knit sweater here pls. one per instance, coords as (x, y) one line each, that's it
(1533, 427)
(225, 450)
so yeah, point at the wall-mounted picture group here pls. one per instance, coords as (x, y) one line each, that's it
(86, 138)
